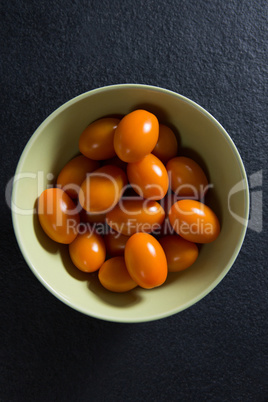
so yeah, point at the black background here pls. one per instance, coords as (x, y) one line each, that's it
(215, 53)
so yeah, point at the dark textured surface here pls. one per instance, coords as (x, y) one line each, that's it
(214, 52)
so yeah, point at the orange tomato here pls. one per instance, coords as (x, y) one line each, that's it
(194, 221)
(180, 253)
(74, 173)
(97, 140)
(102, 189)
(130, 216)
(115, 243)
(88, 252)
(187, 179)
(114, 276)
(167, 144)
(145, 260)
(136, 136)
(58, 215)
(148, 177)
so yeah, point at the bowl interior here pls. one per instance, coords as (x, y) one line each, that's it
(200, 137)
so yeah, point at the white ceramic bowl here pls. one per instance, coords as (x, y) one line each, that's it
(200, 136)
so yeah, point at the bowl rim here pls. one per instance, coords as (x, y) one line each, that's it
(151, 317)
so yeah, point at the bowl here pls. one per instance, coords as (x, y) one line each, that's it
(200, 136)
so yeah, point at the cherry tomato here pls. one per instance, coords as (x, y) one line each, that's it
(194, 221)
(102, 189)
(115, 243)
(145, 260)
(187, 179)
(130, 216)
(148, 177)
(114, 276)
(180, 253)
(88, 252)
(167, 144)
(74, 173)
(97, 140)
(136, 135)
(58, 215)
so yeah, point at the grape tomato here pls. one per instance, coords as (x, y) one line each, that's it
(88, 251)
(167, 144)
(194, 221)
(58, 215)
(114, 276)
(136, 135)
(130, 216)
(187, 179)
(97, 140)
(74, 173)
(180, 253)
(115, 243)
(102, 189)
(148, 177)
(145, 260)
